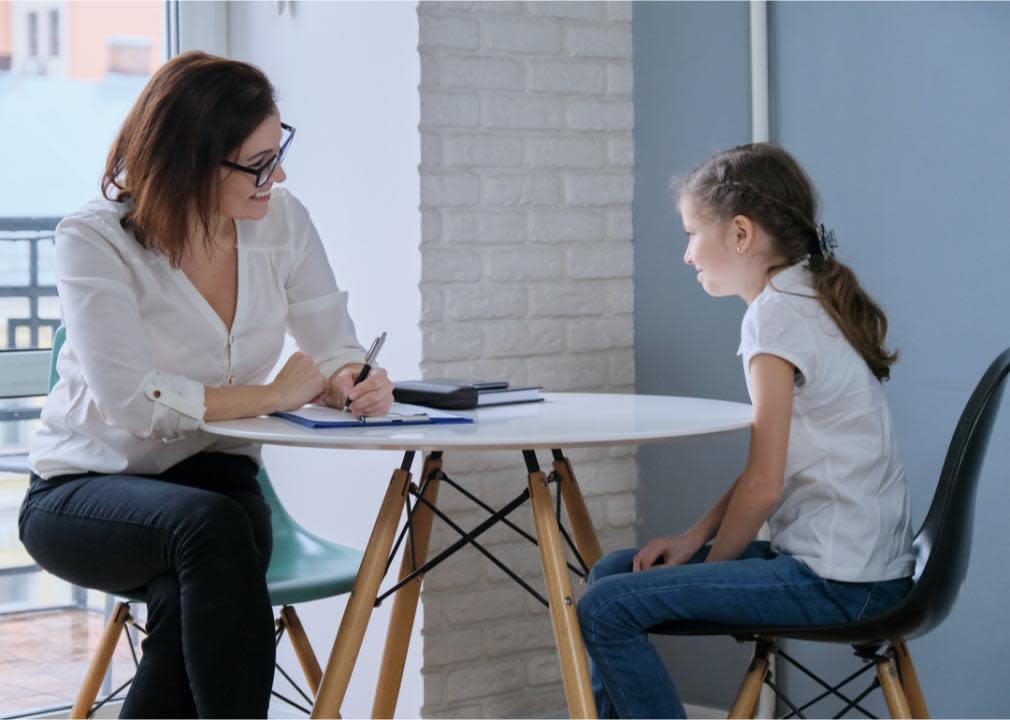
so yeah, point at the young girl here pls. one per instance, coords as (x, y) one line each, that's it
(822, 469)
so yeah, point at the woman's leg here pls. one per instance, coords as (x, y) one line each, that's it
(123, 533)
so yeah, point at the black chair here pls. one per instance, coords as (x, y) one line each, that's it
(942, 549)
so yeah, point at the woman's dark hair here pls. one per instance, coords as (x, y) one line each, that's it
(194, 112)
(765, 184)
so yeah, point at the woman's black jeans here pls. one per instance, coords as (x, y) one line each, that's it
(196, 539)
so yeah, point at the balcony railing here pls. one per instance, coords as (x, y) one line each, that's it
(29, 314)
(24, 242)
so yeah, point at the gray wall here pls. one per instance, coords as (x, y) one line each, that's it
(899, 112)
(692, 97)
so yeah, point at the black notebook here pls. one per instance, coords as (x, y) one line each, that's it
(449, 394)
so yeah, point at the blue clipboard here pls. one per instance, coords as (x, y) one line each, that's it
(322, 417)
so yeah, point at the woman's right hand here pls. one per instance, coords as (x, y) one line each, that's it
(299, 382)
(666, 551)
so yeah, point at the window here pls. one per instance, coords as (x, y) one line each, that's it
(69, 72)
(33, 34)
(54, 33)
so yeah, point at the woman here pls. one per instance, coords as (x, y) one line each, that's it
(176, 288)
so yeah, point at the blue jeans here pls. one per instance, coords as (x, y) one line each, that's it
(760, 587)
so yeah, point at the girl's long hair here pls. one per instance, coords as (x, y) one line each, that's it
(765, 183)
(195, 111)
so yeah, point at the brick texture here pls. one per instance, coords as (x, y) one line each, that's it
(527, 275)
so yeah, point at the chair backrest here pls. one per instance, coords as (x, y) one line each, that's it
(283, 524)
(58, 337)
(943, 543)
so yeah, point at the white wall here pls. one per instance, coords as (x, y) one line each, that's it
(526, 189)
(347, 76)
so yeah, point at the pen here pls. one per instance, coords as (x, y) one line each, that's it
(370, 356)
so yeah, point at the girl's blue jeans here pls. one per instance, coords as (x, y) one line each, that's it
(760, 587)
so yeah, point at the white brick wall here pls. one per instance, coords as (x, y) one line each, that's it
(526, 189)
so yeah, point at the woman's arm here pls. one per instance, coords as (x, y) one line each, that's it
(757, 491)
(299, 382)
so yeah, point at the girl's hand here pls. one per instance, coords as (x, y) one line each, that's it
(665, 551)
(372, 397)
(299, 382)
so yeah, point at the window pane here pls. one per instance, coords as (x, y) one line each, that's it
(69, 73)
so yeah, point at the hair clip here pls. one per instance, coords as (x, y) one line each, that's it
(827, 241)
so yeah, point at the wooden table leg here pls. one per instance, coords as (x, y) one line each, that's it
(362, 599)
(401, 621)
(567, 634)
(583, 532)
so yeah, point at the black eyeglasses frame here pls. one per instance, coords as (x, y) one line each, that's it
(270, 165)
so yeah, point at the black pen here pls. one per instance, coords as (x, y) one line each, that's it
(370, 356)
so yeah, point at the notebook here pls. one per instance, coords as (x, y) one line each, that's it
(321, 416)
(462, 395)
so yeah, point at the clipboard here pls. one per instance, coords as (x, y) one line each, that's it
(323, 417)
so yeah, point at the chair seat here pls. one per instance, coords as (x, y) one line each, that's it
(905, 621)
(305, 567)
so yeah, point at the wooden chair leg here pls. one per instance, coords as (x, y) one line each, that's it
(910, 681)
(401, 619)
(354, 622)
(894, 696)
(303, 649)
(567, 634)
(583, 532)
(750, 690)
(100, 661)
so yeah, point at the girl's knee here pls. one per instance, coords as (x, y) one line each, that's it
(612, 564)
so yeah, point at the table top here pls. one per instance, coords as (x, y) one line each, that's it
(563, 420)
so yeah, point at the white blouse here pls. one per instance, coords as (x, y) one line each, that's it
(844, 509)
(142, 342)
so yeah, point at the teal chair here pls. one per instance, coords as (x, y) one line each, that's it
(303, 567)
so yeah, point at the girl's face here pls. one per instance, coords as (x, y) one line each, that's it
(239, 196)
(712, 251)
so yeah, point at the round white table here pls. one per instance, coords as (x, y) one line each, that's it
(563, 420)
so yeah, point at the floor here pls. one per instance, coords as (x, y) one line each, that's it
(45, 655)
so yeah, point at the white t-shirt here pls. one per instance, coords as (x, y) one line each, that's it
(844, 509)
(142, 342)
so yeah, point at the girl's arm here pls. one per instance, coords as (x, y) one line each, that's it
(757, 491)
(678, 549)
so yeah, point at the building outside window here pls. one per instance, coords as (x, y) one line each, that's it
(63, 97)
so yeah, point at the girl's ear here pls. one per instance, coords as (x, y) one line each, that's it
(743, 233)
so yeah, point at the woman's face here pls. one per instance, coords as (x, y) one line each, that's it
(240, 199)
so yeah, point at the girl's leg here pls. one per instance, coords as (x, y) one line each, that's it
(123, 533)
(618, 610)
(616, 563)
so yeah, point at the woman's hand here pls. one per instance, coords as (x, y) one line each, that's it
(299, 382)
(372, 397)
(666, 551)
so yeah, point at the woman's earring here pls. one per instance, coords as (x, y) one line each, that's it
(739, 250)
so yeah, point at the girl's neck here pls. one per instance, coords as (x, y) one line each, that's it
(760, 280)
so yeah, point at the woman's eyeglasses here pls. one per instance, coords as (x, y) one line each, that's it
(264, 171)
